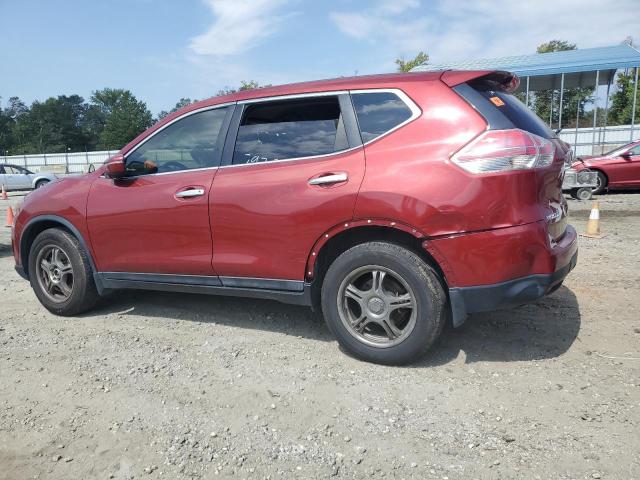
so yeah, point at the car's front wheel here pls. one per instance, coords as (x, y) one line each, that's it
(41, 183)
(601, 184)
(383, 303)
(60, 273)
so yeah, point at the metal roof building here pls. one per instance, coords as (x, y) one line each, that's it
(559, 70)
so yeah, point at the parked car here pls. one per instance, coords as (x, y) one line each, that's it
(14, 177)
(617, 169)
(391, 203)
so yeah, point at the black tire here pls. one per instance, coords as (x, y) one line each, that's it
(41, 183)
(584, 193)
(602, 184)
(422, 284)
(83, 294)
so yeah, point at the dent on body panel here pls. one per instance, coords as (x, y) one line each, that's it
(408, 172)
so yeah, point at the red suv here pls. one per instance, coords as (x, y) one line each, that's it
(390, 202)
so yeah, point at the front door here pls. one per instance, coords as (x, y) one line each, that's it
(156, 219)
(292, 172)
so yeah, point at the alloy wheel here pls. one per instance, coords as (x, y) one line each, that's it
(55, 273)
(377, 306)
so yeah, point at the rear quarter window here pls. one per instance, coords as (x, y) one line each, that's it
(515, 111)
(378, 113)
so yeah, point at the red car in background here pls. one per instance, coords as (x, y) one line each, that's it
(391, 203)
(617, 169)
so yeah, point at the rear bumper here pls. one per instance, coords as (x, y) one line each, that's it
(485, 298)
(499, 268)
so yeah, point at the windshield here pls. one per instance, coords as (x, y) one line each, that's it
(617, 151)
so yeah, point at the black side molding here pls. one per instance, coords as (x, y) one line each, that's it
(285, 291)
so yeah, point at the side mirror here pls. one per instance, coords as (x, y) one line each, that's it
(626, 155)
(114, 167)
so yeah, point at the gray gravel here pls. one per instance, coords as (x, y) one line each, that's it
(156, 385)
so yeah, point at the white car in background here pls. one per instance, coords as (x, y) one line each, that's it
(19, 178)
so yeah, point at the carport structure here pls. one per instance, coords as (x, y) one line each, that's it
(561, 70)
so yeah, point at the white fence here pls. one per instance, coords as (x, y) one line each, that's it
(59, 162)
(587, 141)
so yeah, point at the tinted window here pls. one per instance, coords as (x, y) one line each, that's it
(517, 113)
(290, 129)
(189, 143)
(379, 112)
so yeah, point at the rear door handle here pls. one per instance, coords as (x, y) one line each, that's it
(192, 192)
(329, 179)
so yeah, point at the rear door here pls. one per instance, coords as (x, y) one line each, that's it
(292, 168)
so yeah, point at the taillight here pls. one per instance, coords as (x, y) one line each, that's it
(505, 150)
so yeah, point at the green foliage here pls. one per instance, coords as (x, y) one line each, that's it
(244, 85)
(112, 118)
(183, 102)
(622, 100)
(125, 117)
(407, 65)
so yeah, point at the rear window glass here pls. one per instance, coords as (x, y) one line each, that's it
(379, 112)
(516, 112)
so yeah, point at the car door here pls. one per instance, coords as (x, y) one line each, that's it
(12, 180)
(630, 168)
(156, 219)
(24, 178)
(291, 170)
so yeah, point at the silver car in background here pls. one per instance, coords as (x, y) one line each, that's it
(14, 177)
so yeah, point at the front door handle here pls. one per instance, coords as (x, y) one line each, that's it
(329, 179)
(192, 192)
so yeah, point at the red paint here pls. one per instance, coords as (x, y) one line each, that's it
(622, 171)
(266, 217)
(265, 220)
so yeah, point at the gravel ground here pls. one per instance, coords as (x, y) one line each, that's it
(158, 385)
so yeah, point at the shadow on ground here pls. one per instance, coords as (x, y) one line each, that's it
(544, 329)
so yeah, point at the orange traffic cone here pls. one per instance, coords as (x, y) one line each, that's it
(593, 224)
(9, 217)
(4, 193)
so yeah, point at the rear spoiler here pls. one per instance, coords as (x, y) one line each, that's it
(496, 79)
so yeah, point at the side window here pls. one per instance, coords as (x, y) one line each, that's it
(191, 142)
(290, 129)
(635, 150)
(10, 170)
(379, 112)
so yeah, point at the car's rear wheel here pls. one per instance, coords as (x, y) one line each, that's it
(601, 184)
(383, 303)
(60, 273)
(41, 183)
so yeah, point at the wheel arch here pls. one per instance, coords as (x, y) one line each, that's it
(345, 236)
(39, 224)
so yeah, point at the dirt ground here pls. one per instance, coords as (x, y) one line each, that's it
(157, 385)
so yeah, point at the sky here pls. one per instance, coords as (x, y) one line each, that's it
(163, 50)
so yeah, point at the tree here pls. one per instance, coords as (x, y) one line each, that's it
(183, 102)
(120, 114)
(407, 65)
(244, 85)
(54, 125)
(622, 99)
(574, 100)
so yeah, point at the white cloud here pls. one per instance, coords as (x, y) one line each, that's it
(238, 26)
(454, 30)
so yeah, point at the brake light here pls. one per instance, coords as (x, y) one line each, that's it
(505, 150)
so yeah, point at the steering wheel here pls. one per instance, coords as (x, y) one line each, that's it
(173, 167)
